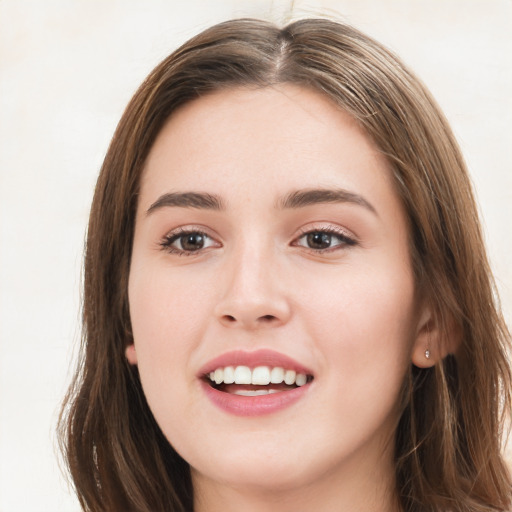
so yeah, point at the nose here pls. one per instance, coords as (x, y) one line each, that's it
(252, 292)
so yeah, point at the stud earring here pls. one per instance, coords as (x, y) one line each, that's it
(427, 354)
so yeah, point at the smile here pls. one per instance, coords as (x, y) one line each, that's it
(266, 383)
(259, 381)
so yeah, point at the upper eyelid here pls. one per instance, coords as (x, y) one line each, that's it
(185, 229)
(329, 228)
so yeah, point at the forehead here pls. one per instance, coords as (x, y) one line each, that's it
(272, 138)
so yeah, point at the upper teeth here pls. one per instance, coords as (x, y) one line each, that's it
(261, 375)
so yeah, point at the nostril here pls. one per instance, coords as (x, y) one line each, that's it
(264, 319)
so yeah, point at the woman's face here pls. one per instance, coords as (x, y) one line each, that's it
(268, 235)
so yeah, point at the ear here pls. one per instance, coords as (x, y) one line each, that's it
(131, 354)
(434, 341)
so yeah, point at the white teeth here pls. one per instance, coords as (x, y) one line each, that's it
(277, 375)
(229, 375)
(243, 375)
(261, 375)
(219, 376)
(300, 380)
(289, 377)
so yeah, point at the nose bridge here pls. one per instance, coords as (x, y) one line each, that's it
(253, 295)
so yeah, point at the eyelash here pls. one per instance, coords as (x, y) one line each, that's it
(343, 237)
(171, 238)
(345, 241)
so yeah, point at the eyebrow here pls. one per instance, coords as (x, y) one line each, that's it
(307, 197)
(197, 200)
(293, 200)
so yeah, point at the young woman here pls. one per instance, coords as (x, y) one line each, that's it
(287, 301)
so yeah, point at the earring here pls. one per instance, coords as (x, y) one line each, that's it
(427, 354)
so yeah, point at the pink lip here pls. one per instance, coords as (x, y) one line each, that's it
(253, 405)
(261, 357)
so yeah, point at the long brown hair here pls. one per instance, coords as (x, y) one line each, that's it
(449, 438)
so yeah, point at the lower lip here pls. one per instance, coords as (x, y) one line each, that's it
(254, 405)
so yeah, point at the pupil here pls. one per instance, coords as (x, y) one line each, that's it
(192, 242)
(319, 240)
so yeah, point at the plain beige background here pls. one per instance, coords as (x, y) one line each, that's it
(67, 70)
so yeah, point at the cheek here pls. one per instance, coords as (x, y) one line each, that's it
(165, 304)
(364, 324)
(167, 314)
(364, 337)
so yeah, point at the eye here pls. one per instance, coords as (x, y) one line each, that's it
(186, 242)
(320, 240)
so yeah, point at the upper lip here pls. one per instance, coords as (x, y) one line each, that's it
(253, 359)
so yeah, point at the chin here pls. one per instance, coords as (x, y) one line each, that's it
(257, 475)
(260, 466)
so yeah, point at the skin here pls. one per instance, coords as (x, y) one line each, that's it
(349, 313)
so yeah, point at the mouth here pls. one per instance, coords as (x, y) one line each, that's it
(254, 383)
(258, 381)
